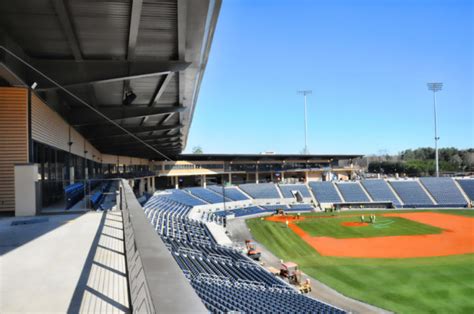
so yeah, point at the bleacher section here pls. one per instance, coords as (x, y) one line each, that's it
(468, 187)
(411, 193)
(380, 191)
(352, 192)
(207, 195)
(301, 207)
(325, 192)
(224, 279)
(182, 197)
(287, 188)
(262, 190)
(444, 191)
(230, 192)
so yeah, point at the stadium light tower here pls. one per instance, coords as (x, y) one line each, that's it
(435, 87)
(305, 93)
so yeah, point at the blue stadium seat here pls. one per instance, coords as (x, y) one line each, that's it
(412, 194)
(380, 191)
(444, 191)
(468, 187)
(207, 195)
(286, 190)
(325, 192)
(230, 192)
(352, 192)
(261, 191)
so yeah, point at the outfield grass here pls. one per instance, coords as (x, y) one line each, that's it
(416, 285)
(383, 226)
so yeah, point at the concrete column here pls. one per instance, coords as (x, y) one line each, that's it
(176, 182)
(203, 181)
(141, 187)
(26, 176)
(282, 176)
(71, 175)
(86, 173)
(256, 177)
(230, 178)
(153, 189)
(306, 177)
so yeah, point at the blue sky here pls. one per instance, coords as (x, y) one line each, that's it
(367, 62)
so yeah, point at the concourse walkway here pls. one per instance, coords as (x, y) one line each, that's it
(63, 263)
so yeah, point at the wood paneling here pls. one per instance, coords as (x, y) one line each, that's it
(50, 128)
(13, 140)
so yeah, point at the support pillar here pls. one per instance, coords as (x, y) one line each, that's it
(71, 175)
(256, 177)
(141, 186)
(230, 178)
(306, 177)
(203, 181)
(176, 182)
(26, 177)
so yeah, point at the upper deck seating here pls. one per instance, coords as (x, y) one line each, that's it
(380, 191)
(286, 190)
(444, 191)
(352, 192)
(411, 194)
(207, 195)
(325, 192)
(262, 190)
(468, 187)
(230, 192)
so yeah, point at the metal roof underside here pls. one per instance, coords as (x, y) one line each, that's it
(99, 50)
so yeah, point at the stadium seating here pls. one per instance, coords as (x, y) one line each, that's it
(182, 197)
(468, 187)
(230, 192)
(411, 194)
(301, 207)
(224, 279)
(261, 191)
(352, 192)
(286, 190)
(74, 193)
(444, 191)
(380, 191)
(207, 195)
(325, 192)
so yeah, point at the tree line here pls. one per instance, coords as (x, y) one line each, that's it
(421, 161)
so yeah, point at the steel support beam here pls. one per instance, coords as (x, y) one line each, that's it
(85, 116)
(68, 73)
(104, 132)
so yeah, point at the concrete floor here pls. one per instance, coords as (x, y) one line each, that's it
(63, 263)
(239, 233)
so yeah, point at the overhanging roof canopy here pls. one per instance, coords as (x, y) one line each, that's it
(100, 50)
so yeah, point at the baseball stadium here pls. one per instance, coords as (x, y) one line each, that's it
(105, 209)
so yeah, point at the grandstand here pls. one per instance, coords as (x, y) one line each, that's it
(468, 187)
(262, 190)
(224, 279)
(352, 192)
(444, 191)
(230, 193)
(411, 193)
(288, 189)
(207, 195)
(325, 192)
(379, 190)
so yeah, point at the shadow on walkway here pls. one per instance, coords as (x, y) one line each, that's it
(102, 286)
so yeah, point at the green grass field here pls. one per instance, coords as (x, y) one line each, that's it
(383, 226)
(416, 285)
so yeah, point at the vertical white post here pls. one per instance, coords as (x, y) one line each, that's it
(436, 133)
(230, 178)
(26, 176)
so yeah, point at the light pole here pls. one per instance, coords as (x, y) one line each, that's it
(305, 93)
(435, 87)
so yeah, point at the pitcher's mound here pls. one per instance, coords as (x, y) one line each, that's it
(354, 224)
